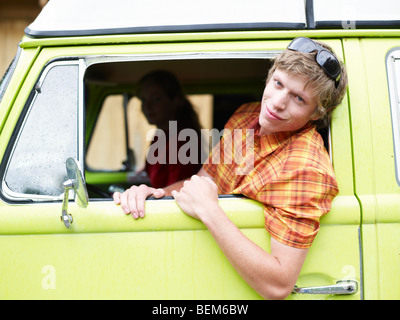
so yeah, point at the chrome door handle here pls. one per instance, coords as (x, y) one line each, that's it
(341, 287)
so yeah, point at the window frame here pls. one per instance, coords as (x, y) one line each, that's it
(180, 56)
(15, 197)
(393, 74)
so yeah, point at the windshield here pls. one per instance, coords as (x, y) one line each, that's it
(7, 76)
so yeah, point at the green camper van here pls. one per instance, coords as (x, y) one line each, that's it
(69, 95)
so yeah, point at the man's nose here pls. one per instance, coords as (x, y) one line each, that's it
(280, 99)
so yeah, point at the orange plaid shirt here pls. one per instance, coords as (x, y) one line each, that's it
(290, 173)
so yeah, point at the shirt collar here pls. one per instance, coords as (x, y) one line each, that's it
(269, 143)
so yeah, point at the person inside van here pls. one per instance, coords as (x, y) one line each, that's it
(290, 171)
(165, 105)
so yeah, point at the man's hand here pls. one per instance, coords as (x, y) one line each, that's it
(196, 196)
(132, 200)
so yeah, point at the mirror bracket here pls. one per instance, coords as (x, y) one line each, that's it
(77, 183)
(65, 216)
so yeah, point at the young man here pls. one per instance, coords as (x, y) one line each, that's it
(290, 173)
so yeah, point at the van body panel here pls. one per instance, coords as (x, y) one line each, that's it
(105, 254)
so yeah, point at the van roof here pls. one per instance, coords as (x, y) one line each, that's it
(61, 18)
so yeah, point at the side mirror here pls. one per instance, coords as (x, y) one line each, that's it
(77, 183)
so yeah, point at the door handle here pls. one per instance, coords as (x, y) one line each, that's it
(341, 287)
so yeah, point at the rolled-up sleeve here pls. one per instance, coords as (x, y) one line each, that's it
(294, 204)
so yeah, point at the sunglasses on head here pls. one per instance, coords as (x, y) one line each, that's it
(325, 59)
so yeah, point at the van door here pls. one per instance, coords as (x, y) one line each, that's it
(335, 256)
(374, 95)
(102, 253)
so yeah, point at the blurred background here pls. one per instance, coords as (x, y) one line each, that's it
(15, 15)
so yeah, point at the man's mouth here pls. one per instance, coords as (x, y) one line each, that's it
(271, 115)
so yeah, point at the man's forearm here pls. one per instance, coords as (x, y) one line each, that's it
(273, 275)
(268, 274)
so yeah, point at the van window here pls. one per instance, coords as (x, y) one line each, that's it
(393, 68)
(47, 136)
(113, 147)
(122, 135)
(118, 133)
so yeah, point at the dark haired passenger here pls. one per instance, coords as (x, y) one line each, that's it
(165, 105)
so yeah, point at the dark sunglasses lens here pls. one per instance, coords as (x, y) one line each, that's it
(329, 63)
(302, 44)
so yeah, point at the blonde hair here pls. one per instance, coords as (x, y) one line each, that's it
(304, 64)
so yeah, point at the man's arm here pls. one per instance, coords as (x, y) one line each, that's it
(273, 275)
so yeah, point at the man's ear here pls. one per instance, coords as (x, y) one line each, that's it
(316, 115)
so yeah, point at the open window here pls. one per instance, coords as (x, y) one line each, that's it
(88, 109)
(118, 134)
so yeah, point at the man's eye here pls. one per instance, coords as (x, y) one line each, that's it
(300, 99)
(278, 83)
